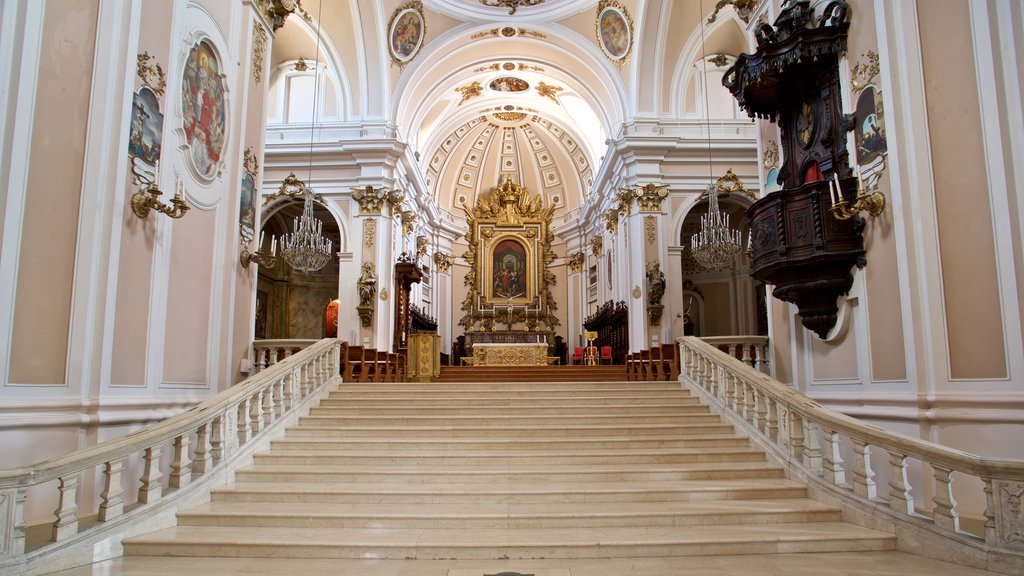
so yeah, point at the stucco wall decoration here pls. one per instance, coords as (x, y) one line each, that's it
(406, 32)
(203, 109)
(614, 30)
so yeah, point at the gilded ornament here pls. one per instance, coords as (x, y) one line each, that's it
(300, 65)
(863, 72)
(250, 163)
(371, 200)
(730, 183)
(469, 91)
(651, 229)
(442, 261)
(549, 91)
(369, 232)
(408, 222)
(406, 33)
(744, 9)
(507, 32)
(421, 246)
(277, 11)
(636, 292)
(293, 188)
(650, 196)
(771, 155)
(597, 246)
(611, 221)
(510, 116)
(575, 261)
(151, 74)
(512, 5)
(383, 293)
(259, 51)
(719, 60)
(613, 28)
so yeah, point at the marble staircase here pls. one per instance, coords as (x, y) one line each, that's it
(509, 470)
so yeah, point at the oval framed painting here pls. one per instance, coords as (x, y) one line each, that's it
(509, 84)
(406, 31)
(614, 30)
(203, 109)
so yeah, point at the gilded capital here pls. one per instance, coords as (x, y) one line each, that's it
(597, 246)
(576, 262)
(624, 201)
(370, 199)
(650, 196)
(408, 222)
(442, 261)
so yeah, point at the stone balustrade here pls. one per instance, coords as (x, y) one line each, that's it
(269, 352)
(133, 485)
(812, 441)
(750, 349)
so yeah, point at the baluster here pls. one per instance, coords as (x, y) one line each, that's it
(863, 475)
(990, 514)
(748, 402)
(255, 413)
(151, 488)
(812, 447)
(268, 406)
(771, 425)
(730, 394)
(272, 353)
(944, 514)
(244, 431)
(288, 352)
(202, 459)
(834, 471)
(762, 411)
(278, 397)
(900, 498)
(112, 497)
(217, 440)
(688, 364)
(753, 399)
(261, 361)
(181, 471)
(67, 509)
(759, 353)
(795, 433)
(17, 496)
(746, 354)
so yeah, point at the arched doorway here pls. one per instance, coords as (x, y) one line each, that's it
(290, 304)
(720, 302)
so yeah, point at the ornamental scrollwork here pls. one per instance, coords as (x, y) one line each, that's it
(370, 199)
(730, 183)
(651, 229)
(624, 201)
(151, 74)
(259, 52)
(863, 72)
(293, 188)
(250, 162)
(1010, 513)
(442, 261)
(597, 246)
(611, 221)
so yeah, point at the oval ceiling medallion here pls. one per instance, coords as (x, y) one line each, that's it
(509, 84)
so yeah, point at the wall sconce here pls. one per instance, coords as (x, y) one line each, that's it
(841, 208)
(261, 258)
(148, 198)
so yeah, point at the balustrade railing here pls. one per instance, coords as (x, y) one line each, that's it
(269, 352)
(750, 349)
(813, 441)
(205, 444)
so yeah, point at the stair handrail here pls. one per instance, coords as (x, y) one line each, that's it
(227, 428)
(808, 437)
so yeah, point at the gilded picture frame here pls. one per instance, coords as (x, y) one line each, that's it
(614, 30)
(406, 32)
(509, 269)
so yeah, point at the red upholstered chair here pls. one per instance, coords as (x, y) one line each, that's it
(577, 356)
(606, 354)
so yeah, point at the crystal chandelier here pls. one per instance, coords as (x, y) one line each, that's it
(305, 248)
(715, 245)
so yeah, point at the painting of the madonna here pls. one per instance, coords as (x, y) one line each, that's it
(509, 270)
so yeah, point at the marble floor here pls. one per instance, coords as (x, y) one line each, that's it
(823, 564)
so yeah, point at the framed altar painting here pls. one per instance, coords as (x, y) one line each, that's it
(406, 31)
(510, 270)
(614, 29)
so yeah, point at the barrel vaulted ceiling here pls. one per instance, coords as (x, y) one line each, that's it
(529, 96)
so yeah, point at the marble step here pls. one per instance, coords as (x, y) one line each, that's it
(503, 392)
(341, 407)
(598, 542)
(544, 431)
(499, 400)
(319, 418)
(327, 457)
(428, 388)
(318, 440)
(487, 516)
(555, 473)
(505, 492)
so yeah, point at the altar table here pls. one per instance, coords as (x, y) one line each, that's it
(500, 354)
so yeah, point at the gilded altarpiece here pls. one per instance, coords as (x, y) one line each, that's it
(509, 253)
